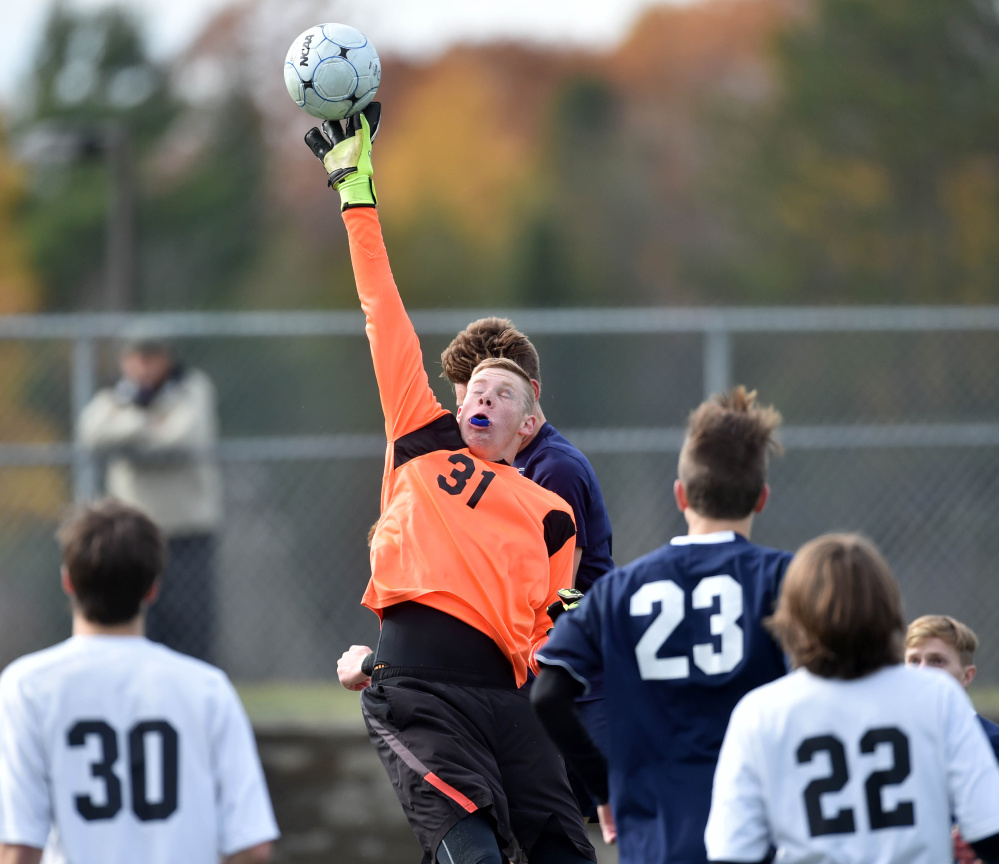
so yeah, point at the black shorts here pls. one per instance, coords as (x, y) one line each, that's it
(453, 749)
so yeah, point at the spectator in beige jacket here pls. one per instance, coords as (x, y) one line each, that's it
(158, 428)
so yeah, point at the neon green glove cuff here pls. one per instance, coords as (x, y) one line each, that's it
(356, 190)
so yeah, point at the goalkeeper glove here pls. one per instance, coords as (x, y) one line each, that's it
(345, 152)
(568, 599)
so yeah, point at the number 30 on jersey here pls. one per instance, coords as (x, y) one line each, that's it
(672, 608)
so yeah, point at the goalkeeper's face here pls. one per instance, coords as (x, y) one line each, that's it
(496, 414)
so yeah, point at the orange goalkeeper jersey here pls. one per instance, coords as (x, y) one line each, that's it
(471, 538)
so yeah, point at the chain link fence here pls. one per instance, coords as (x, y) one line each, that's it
(891, 428)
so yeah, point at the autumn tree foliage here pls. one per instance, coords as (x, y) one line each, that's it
(31, 490)
(18, 286)
(727, 151)
(873, 175)
(194, 229)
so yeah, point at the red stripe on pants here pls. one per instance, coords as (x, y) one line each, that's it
(450, 791)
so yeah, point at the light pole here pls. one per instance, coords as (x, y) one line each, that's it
(119, 285)
(47, 144)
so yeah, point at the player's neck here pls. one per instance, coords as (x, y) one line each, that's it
(698, 524)
(537, 428)
(83, 627)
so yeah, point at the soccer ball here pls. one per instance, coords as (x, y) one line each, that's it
(332, 71)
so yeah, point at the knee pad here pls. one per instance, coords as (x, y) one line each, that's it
(471, 841)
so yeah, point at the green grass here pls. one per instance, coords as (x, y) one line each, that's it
(326, 703)
(300, 703)
(986, 701)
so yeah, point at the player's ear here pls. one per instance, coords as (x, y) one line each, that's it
(67, 585)
(537, 388)
(969, 674)
(680, 495)
(152, 593)
(761, 502)
(527, 427)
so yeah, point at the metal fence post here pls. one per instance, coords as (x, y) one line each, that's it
(84, 377)
(717, 361)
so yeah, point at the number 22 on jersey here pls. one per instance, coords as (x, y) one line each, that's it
(672, 607)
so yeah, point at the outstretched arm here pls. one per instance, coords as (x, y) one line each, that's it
(408, 402)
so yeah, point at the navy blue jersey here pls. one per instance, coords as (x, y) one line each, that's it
(992, 731)
(679, 639)
(552, 462)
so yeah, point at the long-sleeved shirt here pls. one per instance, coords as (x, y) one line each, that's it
(470, 538)
(161, 457)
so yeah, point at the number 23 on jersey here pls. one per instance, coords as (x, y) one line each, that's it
(670, 599)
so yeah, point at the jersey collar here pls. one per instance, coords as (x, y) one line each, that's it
(714, 537)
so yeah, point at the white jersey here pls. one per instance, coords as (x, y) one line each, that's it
(868, 771)
(127, 751)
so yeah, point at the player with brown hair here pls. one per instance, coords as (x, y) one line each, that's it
(115, 749)
(548, 458)
(853, 758)
(545, 456)
(944, 643)
(484, 338)
(465, 558)
(723, 462)
(678, 636)
(840, 613)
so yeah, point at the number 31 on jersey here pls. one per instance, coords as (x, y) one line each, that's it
(672, 608)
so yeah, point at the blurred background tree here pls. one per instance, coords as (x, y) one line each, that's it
(873, 176)
(34, 491)
(203, 227)
(93, 80)
(579, 242)
(98, 128)
(18, 288)
(727, 151)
